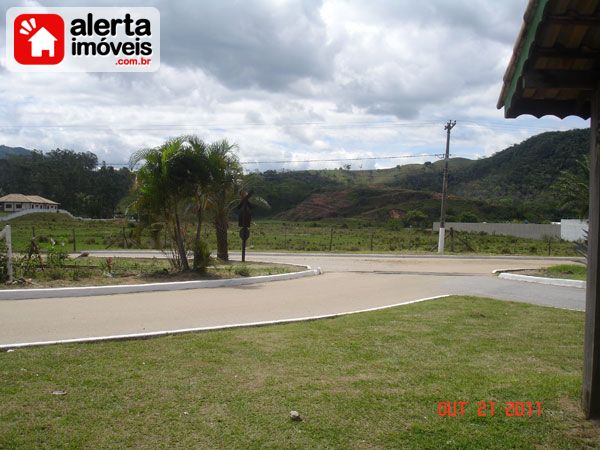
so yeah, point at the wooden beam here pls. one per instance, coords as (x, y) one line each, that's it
(561, 79)
(573, 19)
(567, 53)
(591, 361)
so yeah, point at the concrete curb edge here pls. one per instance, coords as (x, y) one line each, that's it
(87, 291)
(541, 280)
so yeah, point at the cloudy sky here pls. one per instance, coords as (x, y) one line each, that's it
(289, 81)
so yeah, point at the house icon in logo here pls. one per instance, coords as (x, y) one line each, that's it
(39, 39)
(42, 41)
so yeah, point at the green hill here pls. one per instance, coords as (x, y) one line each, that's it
(382, 203)
(517, 183)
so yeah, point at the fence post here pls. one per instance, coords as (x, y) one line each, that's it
(285, 238)
(331, 239)
(74, 241)
(372, 232)
(8, 238)
(452, 239)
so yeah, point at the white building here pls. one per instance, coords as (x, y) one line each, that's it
(20, 202)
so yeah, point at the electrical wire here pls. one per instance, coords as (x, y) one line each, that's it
(323, 125)
(341, 159)
(293, 161)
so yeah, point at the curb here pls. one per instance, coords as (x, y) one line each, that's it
(152, 334)
(87, 291)
(541, 280)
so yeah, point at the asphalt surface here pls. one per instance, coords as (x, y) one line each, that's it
(350, 283)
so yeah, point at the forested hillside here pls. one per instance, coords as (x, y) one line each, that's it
(72, 179)
(519, 182)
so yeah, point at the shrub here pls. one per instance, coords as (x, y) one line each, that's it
(468, 217)
(3, 268)
(242, 271)
(57, 255)
(201, 256)
(416, 218)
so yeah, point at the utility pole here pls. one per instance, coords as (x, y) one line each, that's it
(451, 124)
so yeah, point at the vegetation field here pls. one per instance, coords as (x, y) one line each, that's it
(97, 271)
(359, 236)
(89, 234)
(339, 235)
(372, 380)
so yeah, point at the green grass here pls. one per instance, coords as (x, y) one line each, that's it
(339, 235)
(568, 271)
(370, 380)
(89, 234)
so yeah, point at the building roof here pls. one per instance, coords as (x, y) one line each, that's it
(20, 198)
(555, 64)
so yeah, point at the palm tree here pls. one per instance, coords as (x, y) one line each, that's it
(183, 174)
(199, 180)
(226, 180)
(573, 187)
(161, 184)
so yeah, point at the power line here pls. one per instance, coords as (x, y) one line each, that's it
(340, 159)
(293, 161)
(323, 125)
(150, 127)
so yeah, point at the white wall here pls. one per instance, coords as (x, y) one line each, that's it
(573, 229)
(524, 230)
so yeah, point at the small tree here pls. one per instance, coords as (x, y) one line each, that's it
(573, 188)
(415, 218)
(223, 190)
(161, 184)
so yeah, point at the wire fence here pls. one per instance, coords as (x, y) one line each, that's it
(287, 236)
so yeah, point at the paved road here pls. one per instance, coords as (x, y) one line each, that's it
(350, 282)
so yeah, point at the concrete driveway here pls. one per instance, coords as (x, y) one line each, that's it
(350, 283)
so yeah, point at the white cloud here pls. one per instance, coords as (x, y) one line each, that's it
(284, 79)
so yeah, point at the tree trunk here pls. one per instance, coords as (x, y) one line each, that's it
(197, 255)
(180, 245)
(221, 226)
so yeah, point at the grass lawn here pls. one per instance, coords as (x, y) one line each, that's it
(369, 380)
(565, 271)
(95, 271)
(568, 271)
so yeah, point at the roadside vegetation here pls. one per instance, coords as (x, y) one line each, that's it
(57, 271)
(180, 185)
(565, 271)
(370, 380)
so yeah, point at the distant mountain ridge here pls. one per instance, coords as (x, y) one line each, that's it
(6, 151)
(519, 182)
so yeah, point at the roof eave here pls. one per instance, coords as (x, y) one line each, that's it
(531, 21)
